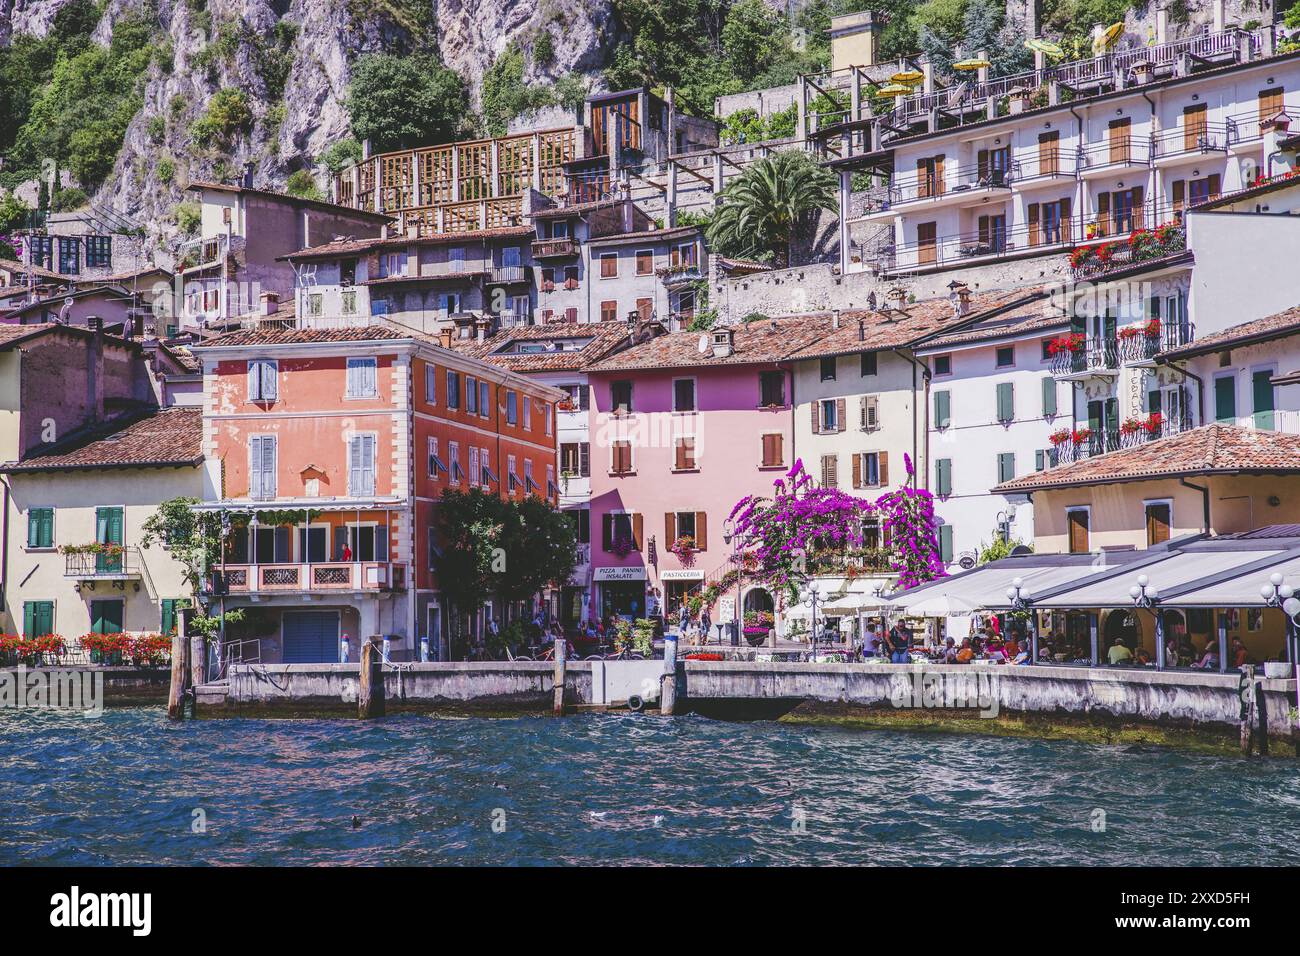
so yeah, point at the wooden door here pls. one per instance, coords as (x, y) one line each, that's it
(1118, 138)
(1195, 125)
(926, 243)
(1078, 532)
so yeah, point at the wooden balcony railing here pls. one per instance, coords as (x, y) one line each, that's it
(327, 576)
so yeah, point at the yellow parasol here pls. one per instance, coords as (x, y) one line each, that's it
(894, 89)
(908, 76)
(1046, 47)
(973, 64)
(1108, 38)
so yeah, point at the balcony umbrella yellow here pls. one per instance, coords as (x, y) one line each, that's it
(974, 63)
(895, 89)
(1045, 47)
(908, 76)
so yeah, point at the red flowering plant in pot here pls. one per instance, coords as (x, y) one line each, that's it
(1071, 342)
(1131, 426)
(109, 649)
(150, 650)
(1153, 423)
(1060, 436)
(1080, 435)
(684, 548)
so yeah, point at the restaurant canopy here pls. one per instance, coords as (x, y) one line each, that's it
(985, 587)
(1240, 586)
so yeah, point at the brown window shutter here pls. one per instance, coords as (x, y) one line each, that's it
(884, 467)
(1179, 190)
(606, 532)
(857, 470)
(767, 450)
(670, 527)
(1215, 184)
(922, 178)
(638, 530)
(644, 307)
(938, 175)
(817, 418)
(983, 229)
(982, 163)
(1065, 219)
(571, 315)
(840, 410)
(829, 478)
(1047, 146)
(1194, 124)
(862, 410)
(1103, 214)
(1138, 221)
(701, 530)
(688, 451)
(1033, 223)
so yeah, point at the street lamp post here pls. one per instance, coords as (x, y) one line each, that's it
(1291, 608)
(1147, 595)
(811, 600)
(1020, 598)
(730, 537)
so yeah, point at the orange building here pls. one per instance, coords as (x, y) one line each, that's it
(327, 450)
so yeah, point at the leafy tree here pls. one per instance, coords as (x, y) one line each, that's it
(754, 38)
(571, 91)
(13, 213)
(228, 114)
(191, 537)
(66, 200)
(505, 95)
(303, 185)
(405, 101)
(759, 211)
(341, 154)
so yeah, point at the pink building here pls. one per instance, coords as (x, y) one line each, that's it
(682, 427)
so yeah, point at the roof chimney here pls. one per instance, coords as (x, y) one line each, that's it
(444, 337)
(835, 318)
(862, 330)
(724, 342)
(899, 296)
(270, 302)
(959, 296)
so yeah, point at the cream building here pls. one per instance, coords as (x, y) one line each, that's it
(75, 561)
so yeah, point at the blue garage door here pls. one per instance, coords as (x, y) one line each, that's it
(311, 637)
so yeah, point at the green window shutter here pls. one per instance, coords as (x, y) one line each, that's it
(945, 543)
(40, 528)
(1049, 397)
(38, 618)
(942, 409)
(168, 621)
(29, 618)
(1006, 466)
(1262, 399)
(1006, 402)
(1225, 399)
(943, 476)
(1040, 460)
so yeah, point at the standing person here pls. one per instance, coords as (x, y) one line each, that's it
(899, 640)
(683, 619)
(706, 622)
(347, 552)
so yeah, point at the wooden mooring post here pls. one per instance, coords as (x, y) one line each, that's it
(370, 695)
(668, 680)
(557, 679)
(180, 674)
(1246, 690)
(1261, 711)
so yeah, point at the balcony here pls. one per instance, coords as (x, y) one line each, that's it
(960, 186)
(1082, 444)
(679, 276)
(112, 564)
(1044, 164)
(355, 576)
(555, 248)
(198, 254)
(1114, 156)
(1139, 431)
(1075, 361)
(1142, 245)
(1140, 344)
(1188, 143)
(508, 275)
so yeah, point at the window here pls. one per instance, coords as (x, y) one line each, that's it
(453, 389)
(40, 528)
(484, 399)
(361, 378)
(773, 455)
(621, 458)
(548, 417)
(361, 466)
(828, 369)
(456, 259)
(1261, 387)
(349, 302)
(1049, 222)
(582, 524)
(1006, 402)
(69, 255)
(620, 397)
(313, 544)
(575, 459)
(471, 394)
(262, 380)
(42, 253)
(453, 459)
(449, 302)
(527, 413)
(1225, 399)
(771, 389)
(609, 265)
(261, 466)
(684, 395)
(510, 257)
(1077, 520)
(170, 616)
(1159, 517)
(870, 413)
(684, 454)
(683, 525)
(869, 364)
(1006, 466)
(926, 243)
(315, 303)
(347, 272)
(38, 618)
(621, 525)
(942, 409)
(609, 311)
(943, 365)
(435, 463)
(1006, 356)
(512, 408)
(645, 262)
(1049, 397)
(943, 477)
(945, 543)
(869, 469)
(99, 251)
(828, 409)
(475, 475)
(830, 466)
(431, 384)
(485, 466)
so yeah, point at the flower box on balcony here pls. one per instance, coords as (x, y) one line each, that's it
(1080, 435)
(1073, 342)
(1059, 437)
(570, 284)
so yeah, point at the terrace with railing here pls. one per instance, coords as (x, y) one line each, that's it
(326, 576)
(103, 561)
(1076, 357)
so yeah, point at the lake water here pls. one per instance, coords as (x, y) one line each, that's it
(626, 789)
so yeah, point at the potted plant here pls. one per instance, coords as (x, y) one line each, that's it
(1060, 436)
(623, 545)
(1071, 342)
(684, 548)
(1131, 426)
(1080, 435)
(570, 284)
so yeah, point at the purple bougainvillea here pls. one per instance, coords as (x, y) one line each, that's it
(801, 521)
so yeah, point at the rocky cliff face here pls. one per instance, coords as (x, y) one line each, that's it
(245, 45)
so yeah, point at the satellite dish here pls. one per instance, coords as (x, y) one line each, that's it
(703, 345)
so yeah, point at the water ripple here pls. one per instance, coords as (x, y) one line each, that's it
(623, 790)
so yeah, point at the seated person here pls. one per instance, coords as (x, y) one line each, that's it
(1210, 659)
(1023, 654)
(1142, 657)
(948, 653)
(1118, 653)
(966, 653)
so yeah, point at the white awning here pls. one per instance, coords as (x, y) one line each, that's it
(1109, 587)
(1243, 590)
(985, 587)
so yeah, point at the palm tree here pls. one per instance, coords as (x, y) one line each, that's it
(758, 211)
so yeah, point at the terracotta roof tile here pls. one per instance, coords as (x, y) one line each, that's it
(1259, 330)
(270, 335)
(1013, 324)
(156, 438)
(602, 338)
(651, 234)
(755, 343)
(1199, 451)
